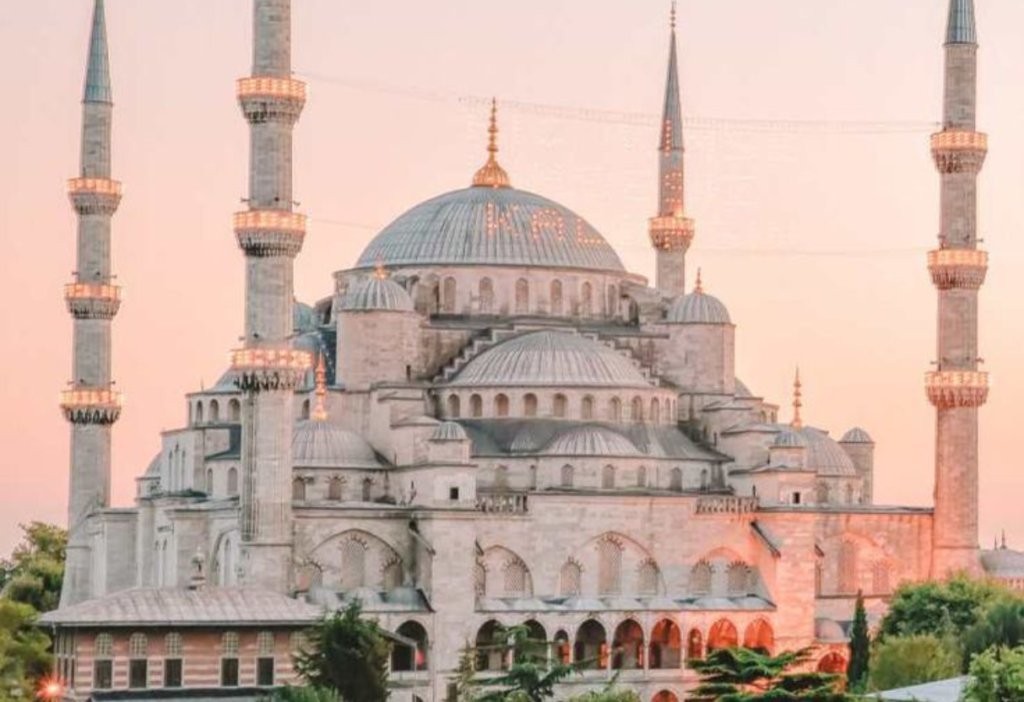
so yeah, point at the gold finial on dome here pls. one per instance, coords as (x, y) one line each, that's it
(699, 287)
(320, 413)
(492, 175)
(797, 423)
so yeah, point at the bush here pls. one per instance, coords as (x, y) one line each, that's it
(901, 661)
(997, 675)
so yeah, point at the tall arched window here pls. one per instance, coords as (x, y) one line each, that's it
(501, 477)
(613, 301)
(556, 298)
(636, 412)
(591, 648)
(759, 636)
(209, 481)
(515, 578)
(235, 411)
(448, 296)
(608, 477)
(199, 413)
(522, 296)
(586, 300)
(561, 406)
(103, 664)
(675, 480)
(486, 296)
(628, 646)
(655, 411)
(454, 407)
(232, 481)
(298, 489)
(695, 645)
(666, 646)
(173, 660)
(353, 564)
(501, 405)
(570, 579)
(700, 579)
(587, 408)
(567, 476)
(641, 477)
(847, 580)
(476, 406)
(305, 409)
(334, 489)
(615, 410)
(738, 578)
(609, 566)
(229, 660)
(138, 661)
(647, 578)
(214, 411)
(529, 405)
(367, 489)
(409, 658)
(492, 647)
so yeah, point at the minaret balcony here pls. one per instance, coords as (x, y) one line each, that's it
(953, 389)
(269, 99)
(94, 196)
(85, 405)
(92, 301)
(671, 232)
(958, 269)
(259, 369)
(957, 151)
(267, 233)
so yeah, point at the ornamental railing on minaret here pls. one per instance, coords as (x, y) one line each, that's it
(271, 234)
(90, 403)
(957, 387)
(671, 231)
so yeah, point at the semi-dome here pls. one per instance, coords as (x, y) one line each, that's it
(449, 431)
(376, 293)
(825, 456)
(550, 358)
(856, 436)
(698, 308)
(318, 443)
(592, 441)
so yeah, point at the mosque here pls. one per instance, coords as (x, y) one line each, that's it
(488, 421)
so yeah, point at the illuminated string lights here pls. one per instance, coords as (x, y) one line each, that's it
(269, 87)
(958, 268)
(952, 389)
(671, 232)
(960, 140)
(94, 186)
(276, 220)
(90, 291)
(82, 397)
(271, 359)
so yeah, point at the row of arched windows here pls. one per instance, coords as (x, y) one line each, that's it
(526, 300)
(609, 478)
(560, 407)
(336, 488)
(210, 413)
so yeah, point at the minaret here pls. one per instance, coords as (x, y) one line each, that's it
(271, 235)
(798, 402)
(956, 387)
(671, 231)
(90, 403)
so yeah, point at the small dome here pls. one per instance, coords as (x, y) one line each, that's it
(825, 456)
(318, 443)
(789, 438)
(1003, 563)
(856, 436)
(698, 308)
(592, 441)
(376, 293)
(303, 317)
(449, 431)
(551, 358)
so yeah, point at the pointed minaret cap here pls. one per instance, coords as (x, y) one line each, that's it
(672, 116)
(492, 175)
(97, 75)
(320, 412)
(798, 421)
(961, 29)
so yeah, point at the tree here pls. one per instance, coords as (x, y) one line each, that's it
(938, 608)
(34, 574)
(746, 675)
(609, 693)
(347, 654)
(860, 647)
(306, 694)
(24, 656)
(1002, 625)
(464, 678)
(901, 661)
(531, 677)
(997, 675)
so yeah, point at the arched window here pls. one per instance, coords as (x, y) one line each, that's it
(849, 494)
(615, 410)
(229, 660)
(563, 649)
(479, 579)
(665, 696)
(501, 477)
(759, 636)
(628, 646)
(103, 664)
(586, 300)
(172, 645)
(522, 296)
(675, 480)
(214, 412)
(723, 634)
(391, 574)
(700, 579)
(591, 650)
(367, 495)
(492, 647)
(819, 579)
(834, 664)
(138, 661)
(232, 481)
(411, 658)
(501, 405)
(613, 301)
(880, 578)
(533, 477)
(334, 489)
(847, 580)
(609, 566)
(305, 409)
(666, 646)
(454, 407)
(648, 577)
(172, 660)
(235, 411)
(199, 413)
(561, 406)
(209, 481)
(655, 411)
(695, 645)
(567, 476)
(738, 578)
(608, 477)
(476, 406)
(570, 579)
(587, 408)
(448, 296)
(138, 646)
(265, 645)
(529, 405)
(353, 564)
(705, 479)
(535, 648)
(104, 646)
(556, 298)
(516, 578)
(298, 489)
(641, 477)
(486, 296)
(636, 411)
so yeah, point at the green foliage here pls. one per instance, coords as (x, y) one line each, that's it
(34, 573)
(901, 661)
(531, 677)
(745, 675)
(997, 675)
(610, 693)
(24, 656)
(347, 654)
(464, 678)
(305, 694)
(860, 648)
(939, 608)
(1001, 625)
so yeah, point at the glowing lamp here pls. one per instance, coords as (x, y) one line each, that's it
(269, 87)
(51, 689)
(276, 220)
(957, 140)
(97, 186)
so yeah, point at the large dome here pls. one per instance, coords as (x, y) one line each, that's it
(550, 358)
(825, 456)
(320, 444)
(491, 226)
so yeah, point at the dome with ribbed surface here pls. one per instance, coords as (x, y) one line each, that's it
(789, 438)
(698, 308)
(376, 293)
(856, 436)
(487, 226)
(449, 431)
(317, 443)
(825, 456)
(552, 359)
(592, 441)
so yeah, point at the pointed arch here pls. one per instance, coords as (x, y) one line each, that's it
(567, 476)
(454, 405)
(648, 578)
(609, 565)
(738, 578)
(501, 405)
(234, 411)
(335, 489)
(353, 563)
(675, 480)
(486, 296)
(556, 298)
(723, 634)
(833, 663)
(492, 647)
(695, 645)
(448, 290)
(570, 579)
(701, 578)
(522, 296)
(411, 658)
(586, 300)
(587, 408)
(666, 649)
(608, 478)
(476, 406)
(591, 649)
(560, 407)
(759, 636)
(214, 412)
(529, 405)
(847, 580)
(628, 646)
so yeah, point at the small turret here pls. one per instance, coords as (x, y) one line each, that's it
(700, 356)
(860, 447)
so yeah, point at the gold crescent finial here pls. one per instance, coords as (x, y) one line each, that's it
(320, 413)
(798, 422)
(492, 175)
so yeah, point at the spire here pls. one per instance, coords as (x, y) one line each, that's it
(797, 423)
(97, 75)
(492, 175)
(672, 116)
(320, 413)
(960, 29)
(699, 287)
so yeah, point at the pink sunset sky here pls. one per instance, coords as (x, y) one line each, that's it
(814, 235)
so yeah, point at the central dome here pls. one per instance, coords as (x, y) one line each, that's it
(491, 226)
(551, 358)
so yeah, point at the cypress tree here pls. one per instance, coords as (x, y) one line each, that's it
(860, 647)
